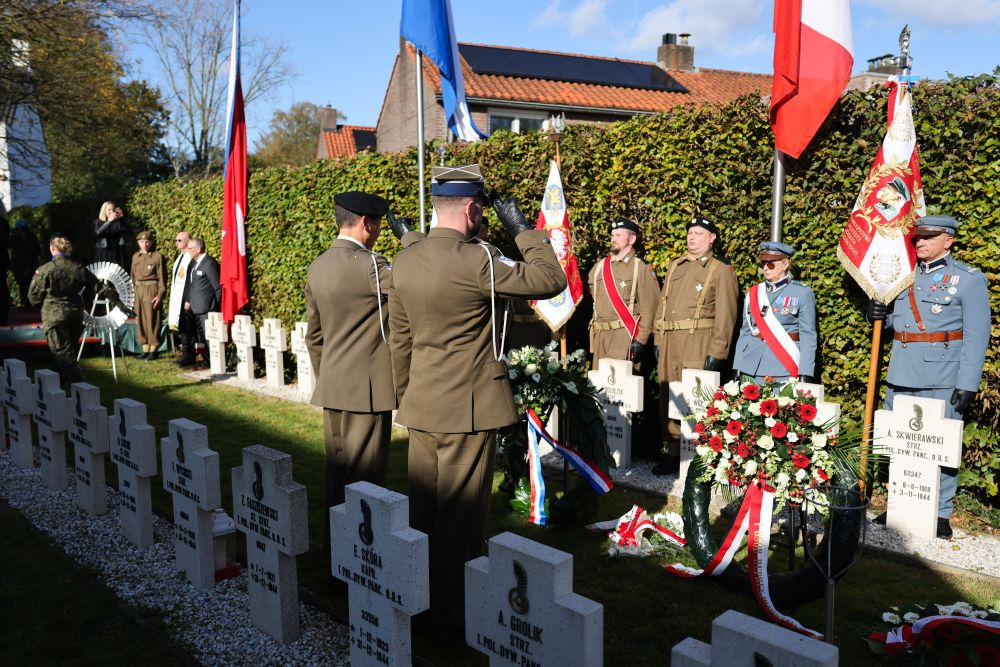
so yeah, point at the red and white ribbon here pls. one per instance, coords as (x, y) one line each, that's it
(771, 331)
(629, 321)
(906, 637)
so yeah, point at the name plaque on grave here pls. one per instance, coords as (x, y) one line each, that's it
(19, 399)
(216, 334)
(385, 565)
(303, 362)
(620, 393)
(245, 339)
(89, 435)
(133, 450)
(274, 342)
(52, 419)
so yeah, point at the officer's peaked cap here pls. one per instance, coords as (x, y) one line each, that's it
(932, 225)
(775, 250)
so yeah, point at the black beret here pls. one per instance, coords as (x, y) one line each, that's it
(623, 223)
(362, 203)
(704, 223)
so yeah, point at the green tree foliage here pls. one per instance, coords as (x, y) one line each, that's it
(660, 170)
(291, 139)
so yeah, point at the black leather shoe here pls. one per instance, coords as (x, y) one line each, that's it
(185, 361)
(944, 529)
(880, 519)
(670, 465)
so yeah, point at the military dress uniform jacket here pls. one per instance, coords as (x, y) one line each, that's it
(950, 296)
(794, 306)
(148, 267)
(344, 335)
(608, 336)
(696, 315)
(441, 335)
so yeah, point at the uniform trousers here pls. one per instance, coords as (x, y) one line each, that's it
(148, 319)
(949, 476)
(451, 479)
(357, 450)
(63, 337)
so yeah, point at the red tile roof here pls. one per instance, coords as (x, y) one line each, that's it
(703, 85)
(347, 140)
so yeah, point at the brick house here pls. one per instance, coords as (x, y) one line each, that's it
(517, 89)
(337, 140)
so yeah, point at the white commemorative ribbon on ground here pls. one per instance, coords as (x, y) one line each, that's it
(754, 516)
(771, 331)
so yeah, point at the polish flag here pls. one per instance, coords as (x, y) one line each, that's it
(813, 56)
(233, 260)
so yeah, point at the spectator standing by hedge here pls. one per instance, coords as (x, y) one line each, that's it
(176, 315)
(941, 328)
(110, 229)
(24, 249)
(203, 295)
(149, 269)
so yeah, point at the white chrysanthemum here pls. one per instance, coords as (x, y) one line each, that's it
(701, 450)
(735, 415)
(800, 475)
(728, 437)
(531, 369)
(889, 617)
(721, 406)
(818, 440)
(536, 377)
(911, 616)
(792, 436)
(750, 467)
(754, 409)
(782, 479)
(785, 401)
(726, 454)
(770, 421)
(732, 388)
(765, 442)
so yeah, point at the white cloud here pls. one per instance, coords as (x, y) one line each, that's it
(586, 18)
(936, 12)
(717, 27)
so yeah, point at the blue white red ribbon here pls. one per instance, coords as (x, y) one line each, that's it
(536, 512)
(597, 478)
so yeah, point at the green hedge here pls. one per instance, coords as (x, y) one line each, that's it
(660, 170)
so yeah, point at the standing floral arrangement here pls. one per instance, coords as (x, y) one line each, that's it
(541, 380)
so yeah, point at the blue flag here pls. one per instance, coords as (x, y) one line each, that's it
(429, 26)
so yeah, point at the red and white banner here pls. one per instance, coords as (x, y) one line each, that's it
(233, 261)
(875, 247)
(813, 56)
(553, 218)
(771, 331)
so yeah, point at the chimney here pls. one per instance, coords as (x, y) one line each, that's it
(328, 119)
(676, 54)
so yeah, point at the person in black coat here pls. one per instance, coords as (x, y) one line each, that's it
(202, 294)
(24, 249)
(110, 229)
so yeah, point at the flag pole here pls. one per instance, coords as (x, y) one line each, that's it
(420, 135)
(778, 195)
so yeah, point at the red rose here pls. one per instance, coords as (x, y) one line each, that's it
(988, 656)
(800, 460)
(751, 392)
(807, 412)
(712, 411)
(769, 408)
(715, 443)
(743, 450)
(734, 428)
(960, 660)
(779, 430)
(699, 428)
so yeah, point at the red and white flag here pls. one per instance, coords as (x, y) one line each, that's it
(233, 261)
(813, 56)
(553, 218)
(875, 247)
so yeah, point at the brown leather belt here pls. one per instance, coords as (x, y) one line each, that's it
(793, 336)
(936, 337)
(598, 325)
(147, 282)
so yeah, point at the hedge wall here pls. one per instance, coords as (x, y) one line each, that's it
(659, 170)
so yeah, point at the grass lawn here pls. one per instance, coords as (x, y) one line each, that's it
(646, 611)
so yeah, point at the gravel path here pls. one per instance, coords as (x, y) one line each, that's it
(213, 627)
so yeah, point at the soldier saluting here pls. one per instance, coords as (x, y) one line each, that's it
(444, 313)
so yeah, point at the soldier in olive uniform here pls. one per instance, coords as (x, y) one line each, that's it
(695, 321)
(941, 329)
(58, 287)
(149, 275)
(793, 307)
(347, 337)
(637, 286)
(444, 320)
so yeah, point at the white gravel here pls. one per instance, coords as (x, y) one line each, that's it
(213, 627)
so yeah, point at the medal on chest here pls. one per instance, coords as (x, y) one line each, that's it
(622, 284)
(936, 309)
(699, 287)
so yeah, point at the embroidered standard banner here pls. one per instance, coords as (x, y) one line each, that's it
(875, 247)
(771, 331)
(554, 219)
(621, 309)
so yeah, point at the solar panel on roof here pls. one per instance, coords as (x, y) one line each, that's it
(563, 67)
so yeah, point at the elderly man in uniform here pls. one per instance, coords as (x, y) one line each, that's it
(778, 337)
(625, 292)
(695, 321)
(149, 274)
(941, 328)
(454, 394)
(347, 336)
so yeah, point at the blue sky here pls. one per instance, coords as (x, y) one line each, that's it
(343, 50)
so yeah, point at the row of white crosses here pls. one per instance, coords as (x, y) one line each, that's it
(273, 339)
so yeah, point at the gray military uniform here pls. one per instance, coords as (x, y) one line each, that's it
(794, 306)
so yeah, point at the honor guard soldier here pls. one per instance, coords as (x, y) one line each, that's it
(778, 336)
(695, 321)
(625, 292)
(149, 274)
(941, 328)
(347, 336)
(444, 320)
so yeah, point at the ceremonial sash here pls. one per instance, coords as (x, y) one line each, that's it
(771, 331)
(630, 322)
(754, 517)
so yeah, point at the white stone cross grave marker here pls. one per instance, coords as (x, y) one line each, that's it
(216, 334)
(191, 475)
(89, 435)
(693, 386)
(520, 608)
(303, 362)
(621, 394)
(739, 640)
(270, 510)
(918, 440)
(19, 399)
(52, 409)
(385, 565)
(133, 450)
(245, 339)
(274, 340)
